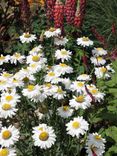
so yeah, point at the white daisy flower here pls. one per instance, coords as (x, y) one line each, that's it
(37, 66)
(59, 93)
(4, 84)
(17, 57)
(15, 82)
(52, 32)
(25, 76)
(97, 61)
(91, 86)
(99, 52)
(76, 127)
(82, 101)
(84, 41)
(26, 37)
(35, 58)
(84, 77)
(36, 50)
(78, 86)
(96, 140)
(7, 152)
(9, 136)
(109, 68)
(66, 82)
(95, 151)
(60, 41)
(4, 59)
(52, 77)
(102, 72)
(62, 69)
(31, 91)
(95, 145)
(6, 76)
(96, 94)
(7, 110)
(63, 55)
(65, 111)
(11, 97)
(49, 89)
(43, 136)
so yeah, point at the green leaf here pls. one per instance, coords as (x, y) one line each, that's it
(112, 132)
(112, 151)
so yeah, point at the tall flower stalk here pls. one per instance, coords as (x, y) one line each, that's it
(24, 8)
(59, 15)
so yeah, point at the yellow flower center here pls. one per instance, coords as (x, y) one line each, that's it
(59, 90)
(27, 35)
(33, 65)
(44, 136)
(17, 55)
(98, 137)
(36, 58)
(2, 82)
(63, 52)
(26, 79)
(15, 81)
(63, 65)
(4, 152)
(51, 74)
(99, 49)
(80, 98)
(75, 124)
(41, 129)
(94, 91)
(65, 108)
(9, 98)
(6, 106)
(6, 134)
(103, 69)
(7, 75)
(99, 58)
(80, 84)
(85, 39)
(31, 87)
(2, 58)
(52, 29)
(49, 85)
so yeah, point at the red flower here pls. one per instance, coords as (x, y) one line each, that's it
(58, 15)
(113, 28)
(99, 37)
(50, 8)
(69, 11)
(80, 13)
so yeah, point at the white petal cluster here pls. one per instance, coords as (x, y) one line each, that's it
(95, 145)
(43, 136)
(63, 55)
(27, 38)
(76, 127)
(60, 41)
(52, 32)
(84, 41)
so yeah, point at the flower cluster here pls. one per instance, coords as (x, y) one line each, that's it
(95, 145)
(56, 85)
